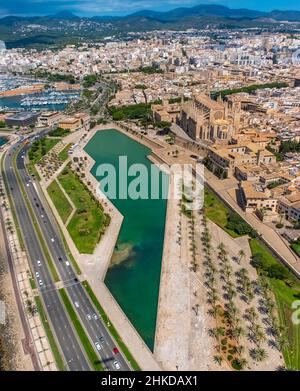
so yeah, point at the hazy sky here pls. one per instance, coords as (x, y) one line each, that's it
(121, 7)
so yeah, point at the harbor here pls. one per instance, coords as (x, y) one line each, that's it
(17, 93)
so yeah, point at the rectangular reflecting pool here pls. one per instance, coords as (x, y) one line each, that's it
(133, 276)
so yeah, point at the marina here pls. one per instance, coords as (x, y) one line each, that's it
(48, 99)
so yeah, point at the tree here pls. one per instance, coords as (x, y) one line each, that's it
(251, 315)
(216, 332)
(241, 255)
(258, 335)
(218, 360)
(258, 354)
(283, 341)
(236, 333)
(239, 363)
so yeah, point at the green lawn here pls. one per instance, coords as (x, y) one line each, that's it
(60, 201)
(112, 329)
(216, 211)
(63, 155)
(90, 352)
(285, 296)
(56, 353)
(89, 221)
(259, 248)
(32, 283)
(296, 248)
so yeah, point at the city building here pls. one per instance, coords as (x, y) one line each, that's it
(225, 159)
(205, 119)
(80, 121)
(49, 118)
(289, 206)
(24, 118)
(254, 198)
(167, 112)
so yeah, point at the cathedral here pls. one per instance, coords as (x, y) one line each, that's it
(204, 119)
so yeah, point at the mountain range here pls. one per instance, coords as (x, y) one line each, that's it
(15, 28)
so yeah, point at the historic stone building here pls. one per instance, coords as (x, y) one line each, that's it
(208, 120)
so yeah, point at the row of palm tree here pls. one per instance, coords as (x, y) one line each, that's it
(232, 328)
(255, 332)
(277, 331)
(245, 285)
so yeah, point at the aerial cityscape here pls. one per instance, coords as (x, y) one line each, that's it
(149, 186)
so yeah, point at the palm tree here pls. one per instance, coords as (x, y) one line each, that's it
(258, 355)
(251, 314)
(241, 255)
(258, 335)
(269, 304)
(240, 349)
(236, 333)
(227, 271)
(231, 293)
(283, 341)
(216, 332)
(232, 309)
(221, 247)
(242, 362)
(242, 273)
(218, 360)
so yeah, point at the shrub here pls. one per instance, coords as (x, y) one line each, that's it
(236, 364)
(238, 225)
(224, 341)
(59, 132)
(272, 270)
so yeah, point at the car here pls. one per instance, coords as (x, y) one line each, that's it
(76, 304)
(60, 259)
(75, 279)
(37, 274)
(38, 262)
(42, 216)
(95, 316)
(116, 350)
(67, 263)
(37, 205)
(27, 184)
(52, 240)
(98, 346)
(89, 317)
(101, 339)
(41, 283)
(117, 365)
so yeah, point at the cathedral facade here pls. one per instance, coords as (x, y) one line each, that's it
(204, 119)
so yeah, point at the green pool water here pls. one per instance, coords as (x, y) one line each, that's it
(3, 141)
(134, 273)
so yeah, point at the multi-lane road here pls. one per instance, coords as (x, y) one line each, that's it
(95, 328)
